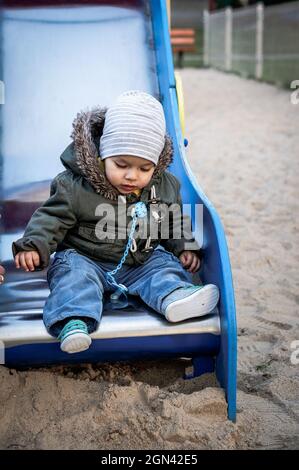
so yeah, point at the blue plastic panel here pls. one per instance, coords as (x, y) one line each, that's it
(120, 349)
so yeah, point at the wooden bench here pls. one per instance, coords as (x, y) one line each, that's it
(182, 40)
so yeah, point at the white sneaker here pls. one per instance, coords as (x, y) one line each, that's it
(74, 337)
(190, 302)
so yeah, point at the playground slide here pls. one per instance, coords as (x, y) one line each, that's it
(58, 58)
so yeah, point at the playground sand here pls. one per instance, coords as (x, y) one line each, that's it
(243, 149)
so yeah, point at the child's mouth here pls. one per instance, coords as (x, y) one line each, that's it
(127, 188)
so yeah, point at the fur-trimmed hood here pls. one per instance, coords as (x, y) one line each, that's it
(82, 155)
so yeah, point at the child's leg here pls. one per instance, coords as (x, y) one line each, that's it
(76, 290)
(90, 322)
(163, 284)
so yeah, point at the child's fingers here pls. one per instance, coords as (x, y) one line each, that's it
(183, 257)
(26, 261)
(188, 257)
(22, 261)
(29, 260)
(17, 260)
(187, 263)
(197, 265)
(2, 272)
(36, 258)
(193, 264)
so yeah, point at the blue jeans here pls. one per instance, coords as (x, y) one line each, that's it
(77, 284)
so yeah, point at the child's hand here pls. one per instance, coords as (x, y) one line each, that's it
(190, 261)
(27, 260)
(2, 272)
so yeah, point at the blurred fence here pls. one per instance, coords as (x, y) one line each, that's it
(258, 41)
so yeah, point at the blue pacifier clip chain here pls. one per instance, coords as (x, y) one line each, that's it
(119, 297)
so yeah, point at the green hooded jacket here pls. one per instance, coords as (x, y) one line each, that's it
(74, 214)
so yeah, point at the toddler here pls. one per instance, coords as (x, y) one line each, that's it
(115, 175)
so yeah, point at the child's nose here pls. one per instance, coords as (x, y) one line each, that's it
(131, 174)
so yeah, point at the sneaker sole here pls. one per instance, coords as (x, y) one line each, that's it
(199, 303)
(75, 343)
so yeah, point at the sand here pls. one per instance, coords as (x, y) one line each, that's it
(243, 149)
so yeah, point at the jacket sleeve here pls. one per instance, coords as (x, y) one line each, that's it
(50, 222)
(180, 224)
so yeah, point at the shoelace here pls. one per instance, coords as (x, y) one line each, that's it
(71, 326)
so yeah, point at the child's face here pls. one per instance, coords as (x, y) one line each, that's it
(127, 173)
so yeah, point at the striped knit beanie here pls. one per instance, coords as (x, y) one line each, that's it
(134, 125)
